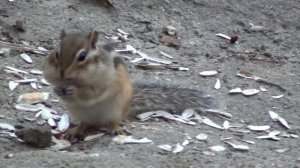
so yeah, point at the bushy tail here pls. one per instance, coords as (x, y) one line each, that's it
(174, 99)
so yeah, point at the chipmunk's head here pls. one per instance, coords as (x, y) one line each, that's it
(79, 60)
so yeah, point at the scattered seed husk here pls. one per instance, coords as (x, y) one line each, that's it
(129, 48)
(184, 121)
(122, 37)
(165, 147)
(171, 30)
(282, 150)
(149, 66)
(27, 107)
(14, 73)
(5, 126)
(25, 80)
(277, 97)
(272, 136)
(166, 55)
(45, 113)
(54, 100)
(36, 72)
(240, 130)
(275, 117)
(255, 28)
(185, 142)
(33, 85)
(7, 134)
(284, 122)
(45, 82)
(64, 123)
(51, 122)
(294, 135)
(274, 133)
(178, 148)
(177, 68)
(26, 58)
(201, 137)
(221, 113)
(210, 123)
(217, 148)
(56, 117)
(93, 137)
(94, 155)
(209, 153)
(123, 139)
(263, 89)
(197, 117)
(249, 142)
(226, 125)
(122, 32)
(217, 84)
(174, 148)
(159, 60)
(226, 138)
(31, 119)
(42, 49)
(136, 60)
(145, 116)
(164, 114)
(33, 97)
(258, 128)
(208, 73)
(238, 146)
(235, 91)
(12, 85)
(223, 36)
(60, 144)
(16, 70)
(188, 113)
(250, 92)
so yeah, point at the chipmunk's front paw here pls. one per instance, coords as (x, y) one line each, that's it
(76, 133)
(116, 129)
(64, 91)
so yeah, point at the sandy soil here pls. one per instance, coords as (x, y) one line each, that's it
(272, 54)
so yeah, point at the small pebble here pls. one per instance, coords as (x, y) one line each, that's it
(8, 156)
(20, 25)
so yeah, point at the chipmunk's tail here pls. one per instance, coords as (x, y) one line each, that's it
(174, 99)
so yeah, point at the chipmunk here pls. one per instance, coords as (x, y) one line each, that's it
(96, 88)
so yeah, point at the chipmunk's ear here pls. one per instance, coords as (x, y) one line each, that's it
(93, 38)
(63, 34)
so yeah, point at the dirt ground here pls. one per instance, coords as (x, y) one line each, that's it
(272, 53)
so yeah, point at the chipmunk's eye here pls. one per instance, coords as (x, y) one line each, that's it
(81, 56)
